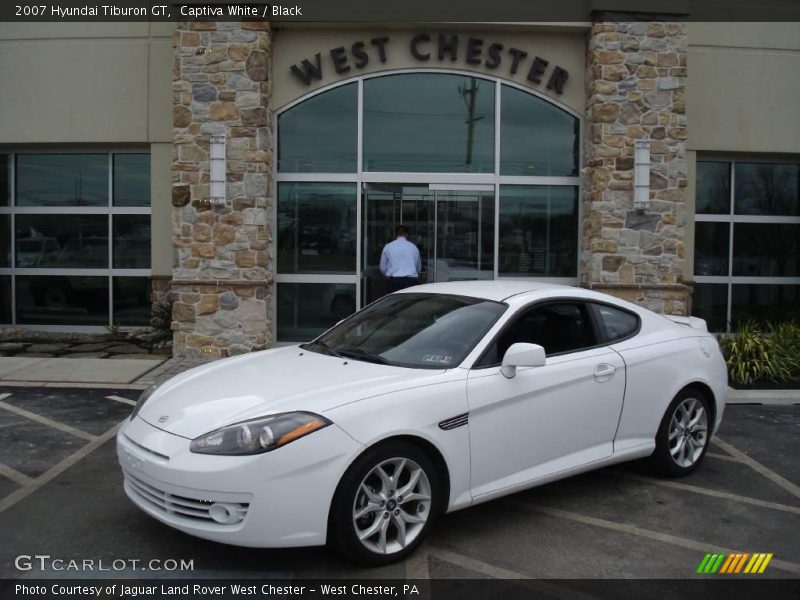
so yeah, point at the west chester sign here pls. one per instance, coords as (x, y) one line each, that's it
(442, 48)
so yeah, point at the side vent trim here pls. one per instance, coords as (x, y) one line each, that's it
(454, 422)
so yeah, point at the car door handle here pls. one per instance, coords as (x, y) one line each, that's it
(604, 372)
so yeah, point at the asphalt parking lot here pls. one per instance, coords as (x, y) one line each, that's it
(61, 495)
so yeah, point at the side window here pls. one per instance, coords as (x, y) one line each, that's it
(614, 323)
(557, 327)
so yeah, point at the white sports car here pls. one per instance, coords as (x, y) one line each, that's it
(427, 401)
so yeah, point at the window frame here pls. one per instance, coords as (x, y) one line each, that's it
(280, 270)
(731, 218)
(287, 110)
(534, 305)
(109, 210)
(548, 225)
(369, 139)
(594, 308)
(361, 177)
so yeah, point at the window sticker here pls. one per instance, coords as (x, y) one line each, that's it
(437, 358)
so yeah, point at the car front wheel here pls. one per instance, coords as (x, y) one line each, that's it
(385, 504)
(684, 434)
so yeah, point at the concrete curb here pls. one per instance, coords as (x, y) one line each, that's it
(74, 384)
(767, 397)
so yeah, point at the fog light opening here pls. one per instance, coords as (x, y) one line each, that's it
(225, 514)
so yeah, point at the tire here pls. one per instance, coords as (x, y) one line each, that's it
(414, 513)
(55, 299)
(684, 434)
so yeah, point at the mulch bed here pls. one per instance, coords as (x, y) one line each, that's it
(22, 343)
(767, 385)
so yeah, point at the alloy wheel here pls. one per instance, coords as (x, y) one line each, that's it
(392, 505)
(688, 432)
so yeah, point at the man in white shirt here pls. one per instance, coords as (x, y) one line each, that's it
(400, 262)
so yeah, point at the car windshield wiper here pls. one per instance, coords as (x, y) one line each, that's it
(327, 349)
(360, 354)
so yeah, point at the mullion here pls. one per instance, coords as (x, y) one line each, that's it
(109, 210)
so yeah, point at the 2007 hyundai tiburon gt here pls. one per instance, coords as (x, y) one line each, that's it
(429, 400)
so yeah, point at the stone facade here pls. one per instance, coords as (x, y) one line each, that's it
(221, 285)
(221, 86)
(160, 289)
(635, 82)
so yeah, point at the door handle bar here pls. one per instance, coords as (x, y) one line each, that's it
(604, 371)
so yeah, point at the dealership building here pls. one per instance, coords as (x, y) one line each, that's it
(252, 172)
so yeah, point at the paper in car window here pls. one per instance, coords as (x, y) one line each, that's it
(437, 358)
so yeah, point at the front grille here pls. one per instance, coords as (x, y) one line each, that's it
(180, 506)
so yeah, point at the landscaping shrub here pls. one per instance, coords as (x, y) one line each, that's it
(786, 337)
(758, 353)
(161, 320)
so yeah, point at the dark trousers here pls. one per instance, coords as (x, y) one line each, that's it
(400, 283)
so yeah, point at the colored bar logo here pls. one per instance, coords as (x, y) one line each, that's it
(736, 562)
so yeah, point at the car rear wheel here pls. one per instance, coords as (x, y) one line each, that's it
(684, 434)
(385, 504)
(55, 299)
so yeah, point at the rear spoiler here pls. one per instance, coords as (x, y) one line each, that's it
(693, 322)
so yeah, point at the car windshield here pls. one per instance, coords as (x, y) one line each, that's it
(426, 331)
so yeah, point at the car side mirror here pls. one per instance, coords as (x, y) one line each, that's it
(522, 355)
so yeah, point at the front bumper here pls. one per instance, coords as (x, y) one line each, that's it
(277, 499)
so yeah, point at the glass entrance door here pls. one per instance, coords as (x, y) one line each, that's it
(453, 229)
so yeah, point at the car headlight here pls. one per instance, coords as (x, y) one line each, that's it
(258, 435)
(143, 397)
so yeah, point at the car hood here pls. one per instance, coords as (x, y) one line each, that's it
(269, 382)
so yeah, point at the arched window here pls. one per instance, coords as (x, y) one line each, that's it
(320, 134)
(536, 137)
(485, 174)
(429, 123)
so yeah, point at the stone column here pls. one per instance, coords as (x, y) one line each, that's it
(221, 264)
(635, 81)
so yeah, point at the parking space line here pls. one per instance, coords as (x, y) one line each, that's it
(14, 475)
(417, 564)
(529, 581)
(722, 457)
(709, 492)
(417, 569)
(121, 399)
(56, 470)
(758, 467)
(474, 564)
(44, 420)
(658, 536)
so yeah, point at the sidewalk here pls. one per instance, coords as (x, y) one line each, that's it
(77, 371)
(140, 372)
(136, 373)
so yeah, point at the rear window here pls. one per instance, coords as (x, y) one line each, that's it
(615, 323)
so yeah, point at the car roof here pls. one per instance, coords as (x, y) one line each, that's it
(522, 292)
(492, 289)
